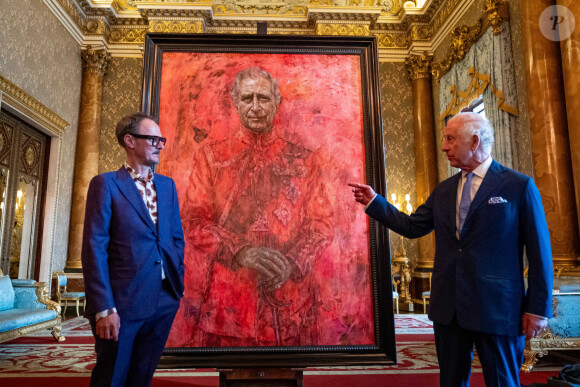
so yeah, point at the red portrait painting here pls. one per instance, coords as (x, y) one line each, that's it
(261, 147)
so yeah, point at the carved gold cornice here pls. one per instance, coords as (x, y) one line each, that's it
(420, 32)
(463, 37)
(31, 107)
(418, 66)
(287, 7)
(342, 29)
(444, 12)
(497, 12)
(95, 61)
(392, 40)
(128, 35)
(120, 25)
(176, 26)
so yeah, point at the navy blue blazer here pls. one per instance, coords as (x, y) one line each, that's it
(479, 277)
(123, 250)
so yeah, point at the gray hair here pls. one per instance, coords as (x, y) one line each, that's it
(130, 124)
(255, 73)
(479, 125)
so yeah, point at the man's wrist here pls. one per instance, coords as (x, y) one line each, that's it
(105, 313)
(369, 203)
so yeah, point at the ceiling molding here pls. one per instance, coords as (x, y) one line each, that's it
(120, 25)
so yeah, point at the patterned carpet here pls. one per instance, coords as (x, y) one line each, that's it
(39, 360)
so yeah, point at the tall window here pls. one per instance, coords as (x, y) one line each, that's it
(476, 106)
(22, 159)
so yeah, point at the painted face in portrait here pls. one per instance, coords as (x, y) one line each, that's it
(256, 104)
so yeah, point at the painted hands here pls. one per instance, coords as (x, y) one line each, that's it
(273, 266)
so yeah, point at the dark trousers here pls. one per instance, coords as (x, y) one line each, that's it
(132, 360)
(501, 356)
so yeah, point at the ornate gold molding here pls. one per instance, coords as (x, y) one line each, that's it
(94, 26)
(31, 107)
(539, 346)
(175, 26)
(566, 270)
(122, 24)
(392, 40)
(95, 61)
(444, 11)
(342, 29)
(420, 32)
(127, 35)
(497, 12)
(272, 7)
(463, 37)
(418, 66)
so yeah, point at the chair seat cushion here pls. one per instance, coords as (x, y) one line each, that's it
(6, 293)
(23, 282)
(395, 295)
(22, 317)
(72, 295)
(426, 294)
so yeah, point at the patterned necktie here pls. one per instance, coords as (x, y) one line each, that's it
(465, 200)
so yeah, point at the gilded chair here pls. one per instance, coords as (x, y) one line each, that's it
(427, 295)
(62, 295)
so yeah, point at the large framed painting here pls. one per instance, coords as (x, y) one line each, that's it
(282, 266)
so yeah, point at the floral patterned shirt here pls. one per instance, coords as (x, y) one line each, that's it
(146, 187)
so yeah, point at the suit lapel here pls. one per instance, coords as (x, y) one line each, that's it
(129, 190)
(489, 184)
(450, 200)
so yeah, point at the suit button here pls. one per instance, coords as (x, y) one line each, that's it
(157, 262)
(460, 250)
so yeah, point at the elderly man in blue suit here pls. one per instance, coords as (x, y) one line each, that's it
(483, 218)
(132, 259)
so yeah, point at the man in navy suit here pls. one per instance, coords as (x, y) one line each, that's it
(483, 218)
(132, 259)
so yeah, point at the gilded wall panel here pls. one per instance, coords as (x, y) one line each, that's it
(121, 96)
(397, 105)
(41, 57)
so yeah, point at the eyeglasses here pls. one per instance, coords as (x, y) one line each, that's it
(155, 140)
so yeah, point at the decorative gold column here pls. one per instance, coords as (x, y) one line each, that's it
(425, 148)
(549, 133)
(570, 49)
(95, 64)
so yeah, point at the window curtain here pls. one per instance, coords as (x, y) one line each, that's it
(490, 56)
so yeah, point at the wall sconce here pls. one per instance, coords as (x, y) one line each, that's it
(399, 204)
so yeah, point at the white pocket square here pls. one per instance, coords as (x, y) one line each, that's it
(496, 200)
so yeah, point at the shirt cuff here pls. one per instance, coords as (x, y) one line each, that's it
(105, 313)
(369, 203)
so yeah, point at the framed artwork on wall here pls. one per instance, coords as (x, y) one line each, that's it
(282, 267)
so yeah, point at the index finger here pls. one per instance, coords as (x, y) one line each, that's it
(355, 185)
